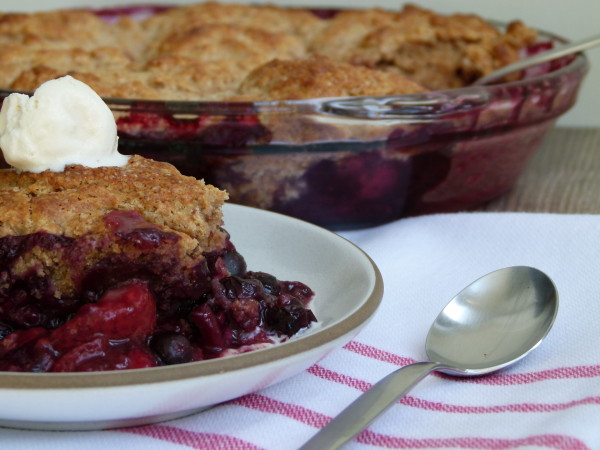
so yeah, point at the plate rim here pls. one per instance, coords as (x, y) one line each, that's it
(173, 373)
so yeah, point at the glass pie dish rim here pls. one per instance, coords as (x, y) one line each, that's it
(429, 106)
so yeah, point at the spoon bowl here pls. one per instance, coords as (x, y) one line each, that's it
(492, 323)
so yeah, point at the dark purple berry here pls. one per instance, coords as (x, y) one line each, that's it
(238, 288)
(235, 263)
(269, 282)
(172, 348)
(289, 318)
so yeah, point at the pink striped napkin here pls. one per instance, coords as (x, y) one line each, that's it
(549, 400)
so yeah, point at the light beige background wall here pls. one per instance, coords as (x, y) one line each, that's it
(574, 19)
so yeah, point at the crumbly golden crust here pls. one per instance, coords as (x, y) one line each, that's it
(319, 76)
(437, 51)
(212, 51)
(73, 203)
(268, 18)
(55, 28)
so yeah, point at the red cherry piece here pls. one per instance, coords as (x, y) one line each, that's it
(127, 312)
(19, 338)
(100, 354)
(208, 324)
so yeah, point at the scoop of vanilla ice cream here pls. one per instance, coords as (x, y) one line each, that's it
(64, 122)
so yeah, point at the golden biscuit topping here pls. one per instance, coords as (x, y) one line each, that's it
(213, 52)
(74, 202)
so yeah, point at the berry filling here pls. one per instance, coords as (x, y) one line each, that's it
(137, 307)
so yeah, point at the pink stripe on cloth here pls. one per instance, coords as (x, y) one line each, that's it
(203, 441)
(498, 379)
(415, 402)
(265, 404)
(337, 377)
(508, 379)
(513, 408)
(554, 441)
(376, 353)
(317, 420)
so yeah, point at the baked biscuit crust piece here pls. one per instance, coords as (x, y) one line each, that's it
(68, 235)
(319, 76)
(73, 203)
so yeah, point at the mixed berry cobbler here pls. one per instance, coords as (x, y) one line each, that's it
(128, 267)
(211, 51)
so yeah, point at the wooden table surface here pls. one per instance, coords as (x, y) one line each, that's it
(562, 177)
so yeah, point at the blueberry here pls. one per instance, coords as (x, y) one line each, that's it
(172, 348)
(238, 288)
(289, 318)
(269, 282)
(235, 263)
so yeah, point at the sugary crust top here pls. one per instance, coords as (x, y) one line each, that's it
(55, 28)
(319, 76)
(73, 202)
(211, 51)
(438, 51)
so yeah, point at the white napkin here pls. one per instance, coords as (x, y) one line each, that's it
(551, 399)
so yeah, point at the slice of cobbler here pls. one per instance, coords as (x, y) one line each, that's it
(128, 267)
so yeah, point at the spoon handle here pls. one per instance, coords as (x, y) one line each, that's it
(368, 406)
(546, 56)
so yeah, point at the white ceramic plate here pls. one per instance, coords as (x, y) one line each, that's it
(348, 289)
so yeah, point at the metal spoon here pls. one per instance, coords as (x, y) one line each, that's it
(489, 325)
(543, 57)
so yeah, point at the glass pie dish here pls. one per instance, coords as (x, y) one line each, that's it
(359, 161)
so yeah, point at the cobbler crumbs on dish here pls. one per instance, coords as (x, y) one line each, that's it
(122, 268)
